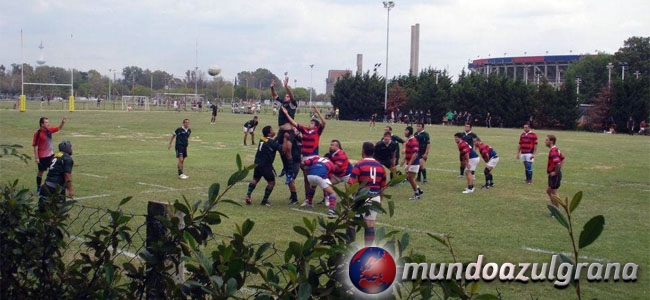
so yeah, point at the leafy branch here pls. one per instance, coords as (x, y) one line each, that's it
(590, 231)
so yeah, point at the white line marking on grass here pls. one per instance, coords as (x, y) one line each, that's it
(90, 197)
(93, 175)
(537, 250)
(124, 252)
(168, 189)
(378, 223)
(155, 185)
(564, 181)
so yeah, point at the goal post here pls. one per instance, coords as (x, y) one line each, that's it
(181, 101)
(130, 103)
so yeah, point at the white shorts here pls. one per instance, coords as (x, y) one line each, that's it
(343, 179)
(493, 162)
(372, 214)
(316, 180)
(412, 168)
(526, 157)
(249, 130)
(473, 162)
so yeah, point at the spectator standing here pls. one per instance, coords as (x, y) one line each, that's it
(42, 143)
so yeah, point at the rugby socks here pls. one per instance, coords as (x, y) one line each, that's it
(369, 236)
(332, 201)
(293, 197)
(39, 180)
(529, 171)
(424, 174)
(251, 187)
(180, 172)
(310, 195)
(462, 171)
(267, 193)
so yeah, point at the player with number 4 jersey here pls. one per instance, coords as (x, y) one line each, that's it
(371, 176)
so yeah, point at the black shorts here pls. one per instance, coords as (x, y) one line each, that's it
(281, 133)
(554, 181)
(44, 163)
(181, 151)
(386, 163)
(264, 171)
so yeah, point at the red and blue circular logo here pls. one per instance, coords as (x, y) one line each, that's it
(372, 270)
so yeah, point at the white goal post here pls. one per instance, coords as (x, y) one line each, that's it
(130, 103)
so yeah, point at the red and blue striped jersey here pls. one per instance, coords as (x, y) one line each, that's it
(465, 150)
(370, 174)
(411, 147)
(341, 162)
(555, 157)
(310, 140)
(527, 142)
(486, 152)
(320, 166)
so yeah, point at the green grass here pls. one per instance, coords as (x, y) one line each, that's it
(119, 154)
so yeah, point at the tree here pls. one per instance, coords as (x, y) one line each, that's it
(358, 97)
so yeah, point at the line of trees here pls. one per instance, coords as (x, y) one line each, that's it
(600, 100)
(133, 80)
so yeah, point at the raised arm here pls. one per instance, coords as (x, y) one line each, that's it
(62, 122)
(274, 94)
(288, 88)
(320, 116)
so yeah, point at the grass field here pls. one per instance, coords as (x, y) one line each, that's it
(119, 154)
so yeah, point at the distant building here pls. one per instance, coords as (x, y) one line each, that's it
(527, 68)
(414, 70)
(332, 77)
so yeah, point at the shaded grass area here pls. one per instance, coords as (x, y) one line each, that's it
(119, 154)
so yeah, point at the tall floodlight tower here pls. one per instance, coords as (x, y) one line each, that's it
(311, 76)
(388, 5)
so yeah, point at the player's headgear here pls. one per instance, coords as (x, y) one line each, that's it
(65, 147)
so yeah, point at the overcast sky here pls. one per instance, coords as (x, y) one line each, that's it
(290, 35)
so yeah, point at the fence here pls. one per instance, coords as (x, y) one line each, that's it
(85, 220)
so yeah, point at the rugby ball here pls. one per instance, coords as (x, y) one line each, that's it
(214, 70)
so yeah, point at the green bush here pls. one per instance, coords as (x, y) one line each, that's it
(32, 241)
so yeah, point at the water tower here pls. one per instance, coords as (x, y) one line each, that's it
(41, 60)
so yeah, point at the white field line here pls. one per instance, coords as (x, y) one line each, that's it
(407, 229)
(168, 189)
(92, 175)
(124, 252)
(155, 185)
(91, 197)
(537, 250)
(521, 177)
